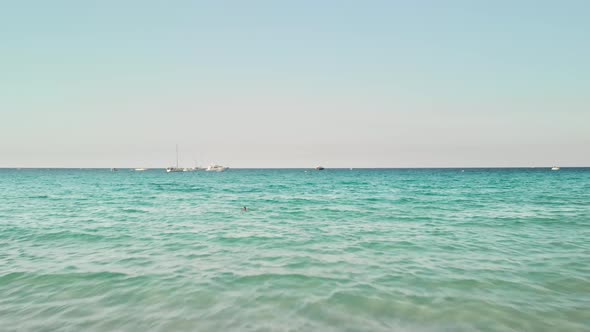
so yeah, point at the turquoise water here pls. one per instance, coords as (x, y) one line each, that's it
(337, 250)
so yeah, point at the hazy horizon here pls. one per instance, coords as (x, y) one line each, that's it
(307, 168)
(294, 85)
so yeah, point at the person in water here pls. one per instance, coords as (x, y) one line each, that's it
(244, 209)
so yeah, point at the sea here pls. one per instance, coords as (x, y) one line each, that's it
(333, 250)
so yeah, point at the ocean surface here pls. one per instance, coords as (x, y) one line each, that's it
(333, 250)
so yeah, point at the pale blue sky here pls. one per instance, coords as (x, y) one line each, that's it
(294, 84)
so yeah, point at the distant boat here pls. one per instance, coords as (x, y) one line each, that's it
(140, 169)
(216, 168)
(555, 168)
(193, 169)
(175, 169)
(114, 169)
(319, 168)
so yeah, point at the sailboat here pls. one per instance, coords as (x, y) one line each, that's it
(216, 168)
(194, 169)
(175, 169)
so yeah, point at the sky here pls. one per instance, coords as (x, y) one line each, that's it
(294, 83)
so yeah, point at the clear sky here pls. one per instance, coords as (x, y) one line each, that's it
(294, 83)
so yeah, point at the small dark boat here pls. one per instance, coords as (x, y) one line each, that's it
(319, 168)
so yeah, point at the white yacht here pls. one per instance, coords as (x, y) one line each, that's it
(555, 168)
(216, 168)
(140, 169)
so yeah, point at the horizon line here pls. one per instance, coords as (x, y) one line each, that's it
(305, 168)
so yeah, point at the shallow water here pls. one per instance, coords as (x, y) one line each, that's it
(336, 250)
